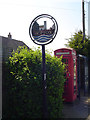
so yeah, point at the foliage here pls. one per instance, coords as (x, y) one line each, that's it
(23, 85)
(76, 42)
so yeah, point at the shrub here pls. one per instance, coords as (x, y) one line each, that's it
(23, 85)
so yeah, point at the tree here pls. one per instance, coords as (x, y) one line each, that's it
(81, 46)
(23, 85)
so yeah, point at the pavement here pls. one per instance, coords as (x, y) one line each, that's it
(78, 109)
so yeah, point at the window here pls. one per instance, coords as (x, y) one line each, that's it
(74, 62)
(74, 69)
(64, 60)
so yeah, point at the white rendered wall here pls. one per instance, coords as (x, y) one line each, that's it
(0, 77)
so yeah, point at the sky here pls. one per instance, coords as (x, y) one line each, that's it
(17, 15)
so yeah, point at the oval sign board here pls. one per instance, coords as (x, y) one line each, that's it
(43, 29)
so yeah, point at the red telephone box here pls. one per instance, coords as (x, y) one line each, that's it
(70, 85)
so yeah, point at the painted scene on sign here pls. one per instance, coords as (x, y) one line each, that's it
(43, 30)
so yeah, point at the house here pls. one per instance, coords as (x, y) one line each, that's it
(7, 45)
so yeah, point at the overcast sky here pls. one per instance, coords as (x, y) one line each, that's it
(16, 16)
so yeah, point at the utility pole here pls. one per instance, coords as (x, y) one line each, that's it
(83, 19)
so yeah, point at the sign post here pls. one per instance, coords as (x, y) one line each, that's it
(42, 31)
(44, 83)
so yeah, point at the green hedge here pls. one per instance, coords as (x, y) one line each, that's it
(23, 85)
